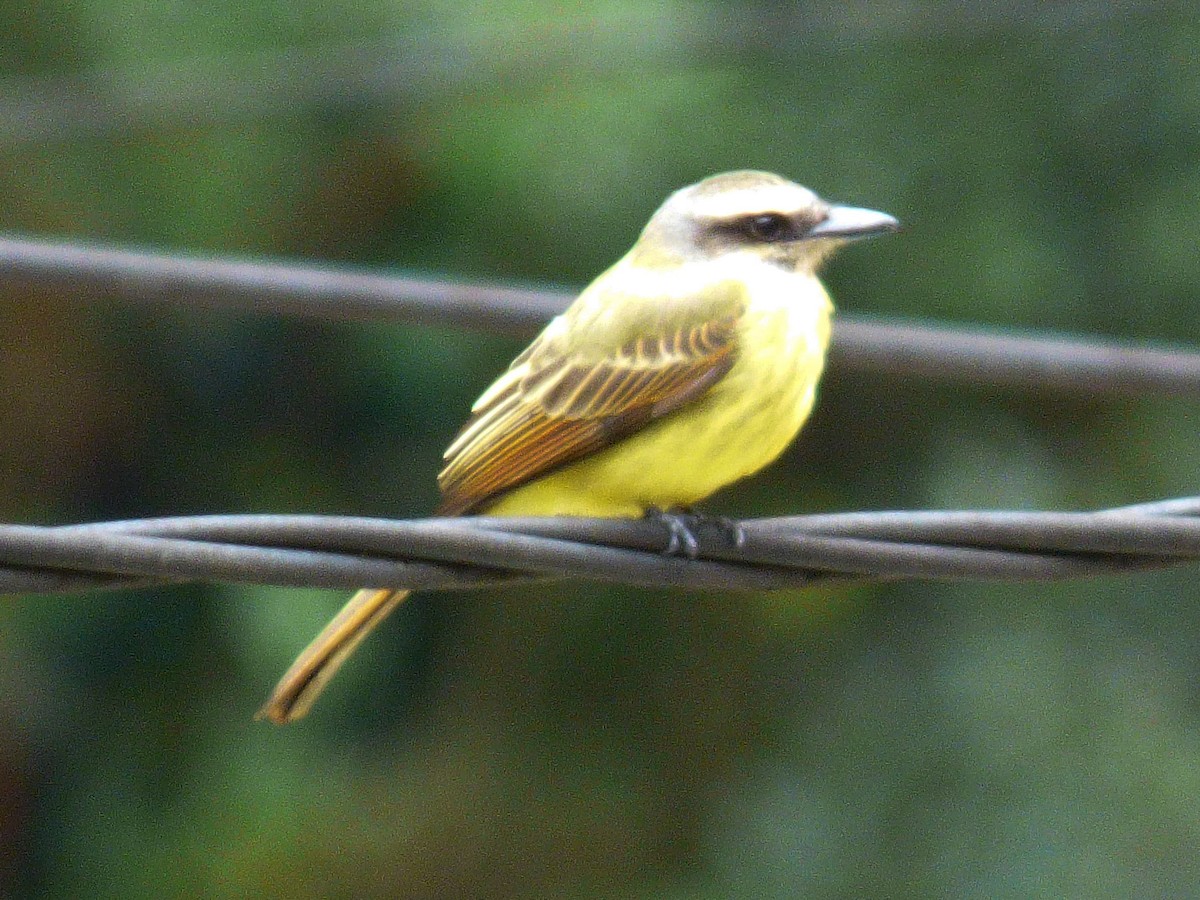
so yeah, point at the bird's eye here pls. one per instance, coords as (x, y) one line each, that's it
(769, 227)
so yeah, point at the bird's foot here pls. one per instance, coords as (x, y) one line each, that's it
(680, 540)
(682, 525)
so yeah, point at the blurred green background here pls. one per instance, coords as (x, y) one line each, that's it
(910, 740)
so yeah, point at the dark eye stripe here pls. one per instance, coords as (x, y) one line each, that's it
(768, 227)
(763, 227)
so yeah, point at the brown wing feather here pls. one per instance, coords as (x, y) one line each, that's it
(564, 409)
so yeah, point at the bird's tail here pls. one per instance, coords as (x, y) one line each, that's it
(301, 684)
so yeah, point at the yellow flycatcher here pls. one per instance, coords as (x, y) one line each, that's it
(688, 365)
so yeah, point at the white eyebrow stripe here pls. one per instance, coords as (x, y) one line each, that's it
(786, 199)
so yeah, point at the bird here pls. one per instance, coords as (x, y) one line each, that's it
(688, 365)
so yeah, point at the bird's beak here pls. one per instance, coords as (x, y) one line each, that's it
(850, 222)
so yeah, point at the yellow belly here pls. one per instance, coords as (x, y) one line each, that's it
(743, 423)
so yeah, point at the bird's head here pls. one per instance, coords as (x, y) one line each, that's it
(754, 213)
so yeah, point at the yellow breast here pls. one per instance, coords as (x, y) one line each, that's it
(740, 425)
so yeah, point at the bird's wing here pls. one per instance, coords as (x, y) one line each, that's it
(554, 406)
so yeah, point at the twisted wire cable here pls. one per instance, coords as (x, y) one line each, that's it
(446, 554)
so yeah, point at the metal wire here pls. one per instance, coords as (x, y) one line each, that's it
(447, 554)
(1045, 363)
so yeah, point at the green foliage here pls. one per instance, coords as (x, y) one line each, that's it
(578, 741)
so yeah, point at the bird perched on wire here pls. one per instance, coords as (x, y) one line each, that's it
(689, 364)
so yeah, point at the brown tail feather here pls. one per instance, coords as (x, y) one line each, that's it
(301, 684)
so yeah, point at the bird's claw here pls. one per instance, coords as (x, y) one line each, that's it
(681, 530)
(680, 540)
